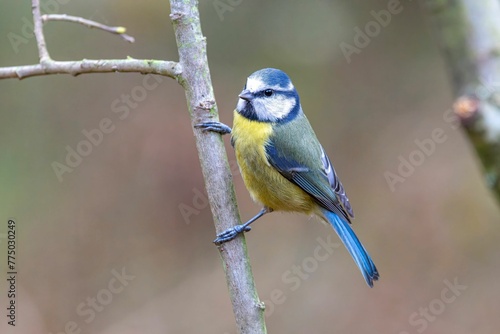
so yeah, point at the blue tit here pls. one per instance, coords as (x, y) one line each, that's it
(283, 165)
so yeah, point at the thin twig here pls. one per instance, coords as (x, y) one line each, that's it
(167, 68)
(90, 24)
(43, 53)
(48, 66)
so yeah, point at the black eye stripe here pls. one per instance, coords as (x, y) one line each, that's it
(287, 93)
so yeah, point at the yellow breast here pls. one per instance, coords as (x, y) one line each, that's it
(265, 184)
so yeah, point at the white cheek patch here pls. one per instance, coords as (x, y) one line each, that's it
(274, 108)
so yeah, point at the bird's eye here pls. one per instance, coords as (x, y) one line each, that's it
(268, 92)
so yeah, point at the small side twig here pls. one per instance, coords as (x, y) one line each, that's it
(90, 24)
(43, 53)
(48, 66)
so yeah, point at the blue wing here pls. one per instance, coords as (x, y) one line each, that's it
(335, 183)
(324, 186)
(321, 182)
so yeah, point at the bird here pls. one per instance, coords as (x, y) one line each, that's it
(283, 165)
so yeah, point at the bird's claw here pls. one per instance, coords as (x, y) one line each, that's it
(214, 127)
(231, 233)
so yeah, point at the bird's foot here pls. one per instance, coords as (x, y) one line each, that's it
(231, 233)
(214, 127)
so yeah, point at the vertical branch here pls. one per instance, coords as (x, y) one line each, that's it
(43, 53)
(468, 33)
(195, 79)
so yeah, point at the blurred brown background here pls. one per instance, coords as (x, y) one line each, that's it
(119, 212)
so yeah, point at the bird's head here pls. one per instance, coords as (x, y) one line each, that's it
(268, 96)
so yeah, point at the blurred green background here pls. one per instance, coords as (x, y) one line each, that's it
(119, 210)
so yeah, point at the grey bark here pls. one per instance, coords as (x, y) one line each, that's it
(195, 79)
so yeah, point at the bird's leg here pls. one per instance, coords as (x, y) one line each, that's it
(214, 127)
(232, 232)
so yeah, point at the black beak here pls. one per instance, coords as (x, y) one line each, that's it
(246, 95)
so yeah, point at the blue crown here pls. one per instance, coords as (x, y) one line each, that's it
(273, 77)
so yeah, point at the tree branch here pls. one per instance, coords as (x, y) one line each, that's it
(166, 68)
(48, 66)
(90, 24)
(468, 34)
(193, 74)
(248, 310)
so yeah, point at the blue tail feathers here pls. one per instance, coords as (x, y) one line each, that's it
(354, 246)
